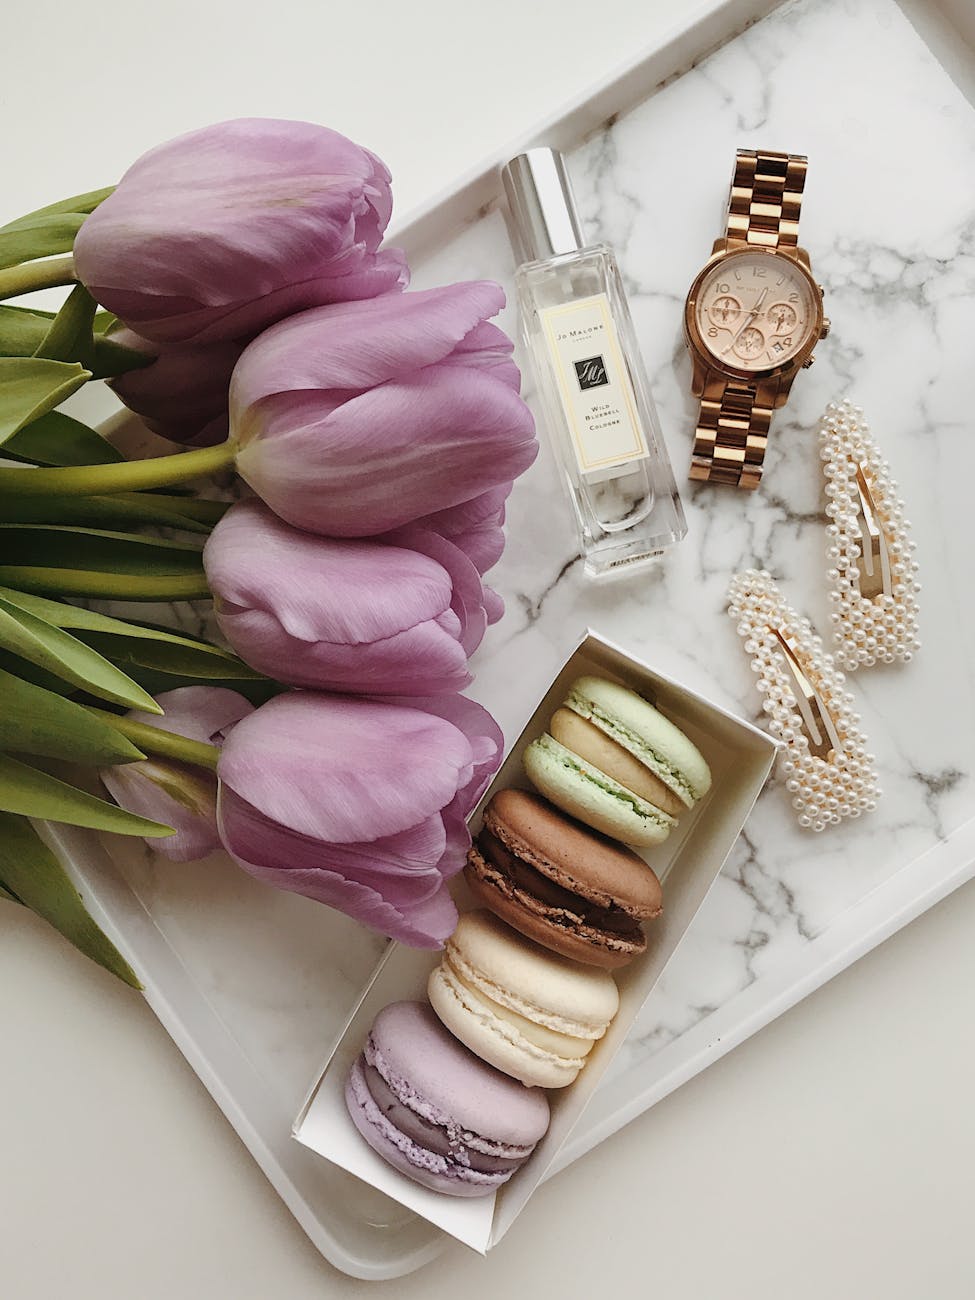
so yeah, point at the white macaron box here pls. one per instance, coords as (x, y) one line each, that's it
(687, 864)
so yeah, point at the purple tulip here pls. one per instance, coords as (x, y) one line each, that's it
(218, 233)
(171, 792)
(475, 526)
(397, 615)
(182, 395)
(359, 418)
(360, 804)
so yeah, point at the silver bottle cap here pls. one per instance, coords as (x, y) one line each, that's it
(544, 220)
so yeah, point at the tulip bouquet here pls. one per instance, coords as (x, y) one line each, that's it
(234, 291)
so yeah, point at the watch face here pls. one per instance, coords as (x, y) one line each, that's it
(755, 310)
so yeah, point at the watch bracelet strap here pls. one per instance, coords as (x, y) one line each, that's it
(731, 435)
(733, 427)
(766, 195)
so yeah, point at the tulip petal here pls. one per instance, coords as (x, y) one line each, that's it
(493, 605)
(360, 616)
(320, 588)
(467, 600)
(197, 712)
(487, 507)
(357, 345)
(183, 385)
(488, 348)
(366, 467)
(423, 917)
(485, 737)
(218, 233)
(414, 662)
(343, 769)
(165, 790)
(187, 321)
(177, 795)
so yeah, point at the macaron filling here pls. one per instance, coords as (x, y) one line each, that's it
(583, 737)
(502, 869)
(671, 775)
(460, 1144)
(435, 1137)
(371, 1117)
(572, 762)
(536, 1017)
(561, 1055)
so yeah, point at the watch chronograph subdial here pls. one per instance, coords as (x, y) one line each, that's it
(725, 310)
(782, 317)
(754, 311)
(750, 343)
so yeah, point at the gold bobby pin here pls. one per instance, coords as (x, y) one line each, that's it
(874, 563)
(828, 770)
(871, 571)
(817, 722)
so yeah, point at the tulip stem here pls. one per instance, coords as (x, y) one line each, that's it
(120, 476)
(164, 744)
(45, 274)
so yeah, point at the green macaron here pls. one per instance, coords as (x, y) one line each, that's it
(616, 763)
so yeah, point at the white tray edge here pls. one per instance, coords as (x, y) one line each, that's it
(702, 27)
(905, 896)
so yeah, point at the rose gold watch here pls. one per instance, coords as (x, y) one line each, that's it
(752, 318)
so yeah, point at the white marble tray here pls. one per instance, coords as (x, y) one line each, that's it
(253, 984)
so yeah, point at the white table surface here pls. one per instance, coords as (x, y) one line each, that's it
(832, 1154)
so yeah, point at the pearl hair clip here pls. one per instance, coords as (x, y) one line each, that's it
(872, 576)
(828, 771)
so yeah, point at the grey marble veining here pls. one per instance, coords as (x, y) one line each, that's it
(888, 220)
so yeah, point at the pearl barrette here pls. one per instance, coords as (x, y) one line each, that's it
(828, 771)
(872, 575)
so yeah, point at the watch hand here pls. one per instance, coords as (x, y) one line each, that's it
(753, 312)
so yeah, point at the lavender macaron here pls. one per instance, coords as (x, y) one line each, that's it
(437, 1113)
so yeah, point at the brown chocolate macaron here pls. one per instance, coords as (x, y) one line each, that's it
(574, 890)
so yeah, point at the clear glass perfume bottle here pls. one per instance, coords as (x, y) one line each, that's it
(591, 381)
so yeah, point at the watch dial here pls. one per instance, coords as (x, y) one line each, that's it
(755, 310)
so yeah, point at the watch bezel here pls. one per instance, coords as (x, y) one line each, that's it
(699, 349)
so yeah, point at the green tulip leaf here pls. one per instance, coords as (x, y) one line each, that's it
(64, 656)
(33, 793)
(70, 336)
(5, 893)
(58, 439)
(32, 386)
(191, 659)
(138, 643)
(78, 203)
(23, 329)
(35, 721)
(39, 676)
(32, 875)
(121, 509)
(258, 690)
(57, 559)
(43, 235)
(46, 544)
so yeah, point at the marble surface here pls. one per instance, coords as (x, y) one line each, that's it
(887, 221)
(892, 239)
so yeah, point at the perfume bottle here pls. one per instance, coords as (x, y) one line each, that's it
(590, 377)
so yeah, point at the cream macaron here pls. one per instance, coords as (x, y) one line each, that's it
(524, 1010)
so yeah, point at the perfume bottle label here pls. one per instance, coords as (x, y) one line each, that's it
(593, 384)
